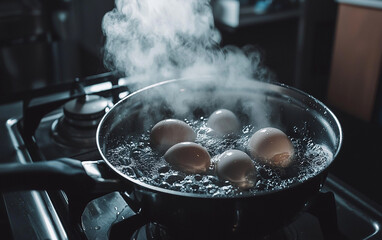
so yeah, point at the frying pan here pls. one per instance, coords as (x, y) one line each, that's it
(259, 103)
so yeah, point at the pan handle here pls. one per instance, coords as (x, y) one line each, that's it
(61, 174)
(81, 181)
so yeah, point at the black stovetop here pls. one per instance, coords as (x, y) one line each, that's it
(352, 180)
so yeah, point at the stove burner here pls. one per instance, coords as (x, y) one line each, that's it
(155, 231)
(151, 231)
(317, 222)
(80, 120)
(86, 111)
(306, 227)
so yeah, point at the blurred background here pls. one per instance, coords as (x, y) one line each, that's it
(329, 49)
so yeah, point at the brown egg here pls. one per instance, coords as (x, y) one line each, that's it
(223, 122)
(169, 132)
(188, 157)
(272, 146)
(237, 167)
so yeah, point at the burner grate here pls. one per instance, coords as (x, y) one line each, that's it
(358, 218)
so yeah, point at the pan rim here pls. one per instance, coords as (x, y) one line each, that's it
(207, 196)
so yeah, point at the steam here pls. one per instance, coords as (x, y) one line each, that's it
(155, 40)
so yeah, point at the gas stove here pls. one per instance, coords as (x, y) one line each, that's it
(61, 121)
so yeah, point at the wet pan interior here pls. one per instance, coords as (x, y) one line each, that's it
(257, 103)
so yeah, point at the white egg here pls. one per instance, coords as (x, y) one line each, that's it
(237, 167)
(223, 122)
(271, 146)
(169, 132)
(188, 157)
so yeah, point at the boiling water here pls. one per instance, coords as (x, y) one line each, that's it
(135, 158)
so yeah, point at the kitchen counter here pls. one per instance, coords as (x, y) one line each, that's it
(363, 3)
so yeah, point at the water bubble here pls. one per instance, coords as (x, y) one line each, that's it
(174, 178)
(195, 187)
(246, 130)
(163, 169)
(128, 171)
(198, 177)
(165, 185)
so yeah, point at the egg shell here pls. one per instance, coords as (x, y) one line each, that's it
(223, 122)
(271, 146)
(169, 132)
(188, 157)
(237, 167)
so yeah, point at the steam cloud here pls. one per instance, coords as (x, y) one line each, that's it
(154, 40)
